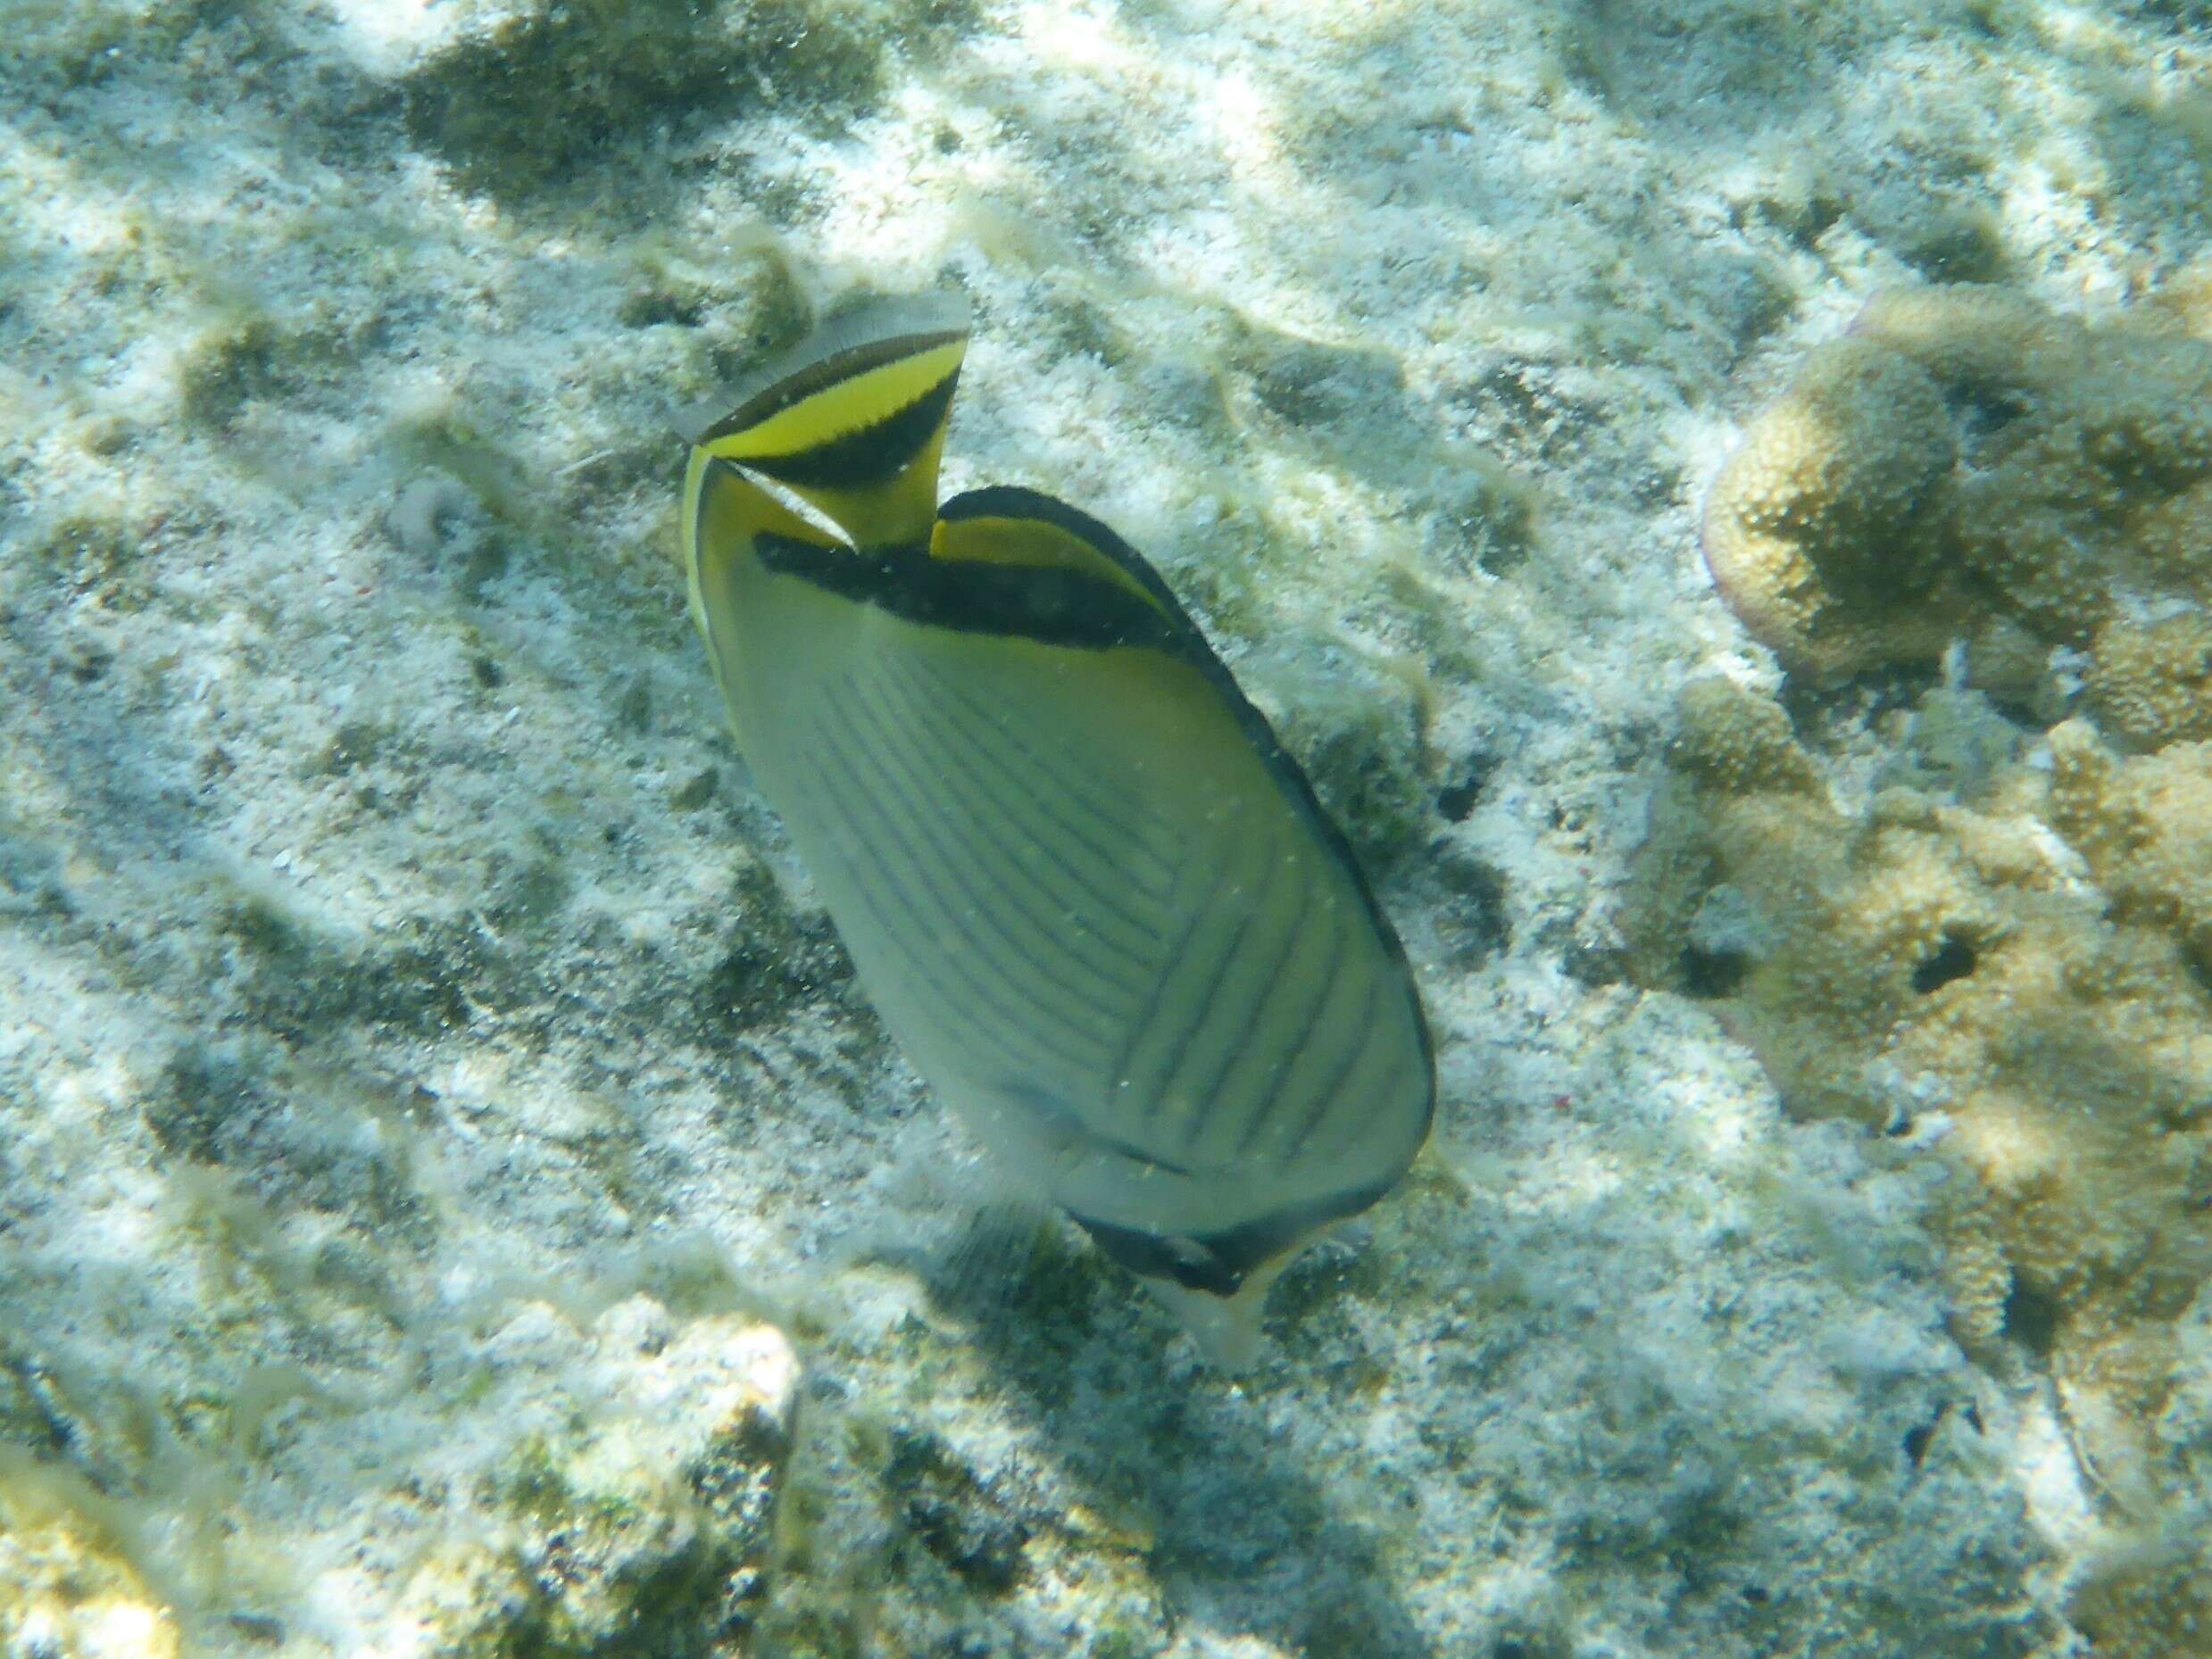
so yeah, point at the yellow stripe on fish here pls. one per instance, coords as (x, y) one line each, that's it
(1095, 902)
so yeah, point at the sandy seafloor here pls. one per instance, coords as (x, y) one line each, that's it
(435, 1124)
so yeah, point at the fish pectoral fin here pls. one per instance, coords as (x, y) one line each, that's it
(852, 421)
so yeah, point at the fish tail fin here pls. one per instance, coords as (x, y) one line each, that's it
(852, 421)
(1226, 1328)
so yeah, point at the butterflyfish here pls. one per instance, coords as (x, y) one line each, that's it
(1092, 899)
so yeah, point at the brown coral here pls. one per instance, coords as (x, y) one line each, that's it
(2150, 684)
(1733, 738)
(2153, 1602)
(2034, 958)
(1809, 532)
(2028, 981)
(1968, 463)
(2145, 825)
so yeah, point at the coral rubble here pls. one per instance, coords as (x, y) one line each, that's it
(67, 1585)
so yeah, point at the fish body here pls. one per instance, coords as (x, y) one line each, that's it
(1093, 900)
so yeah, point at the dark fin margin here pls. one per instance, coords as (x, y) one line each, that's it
(867, 454)
(1053, 607)
(868, 336)
(1216, 1263)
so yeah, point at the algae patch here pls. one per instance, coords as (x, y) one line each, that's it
(543, 92)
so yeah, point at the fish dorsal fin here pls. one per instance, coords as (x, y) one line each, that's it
(853, 420)
(1023, 530)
